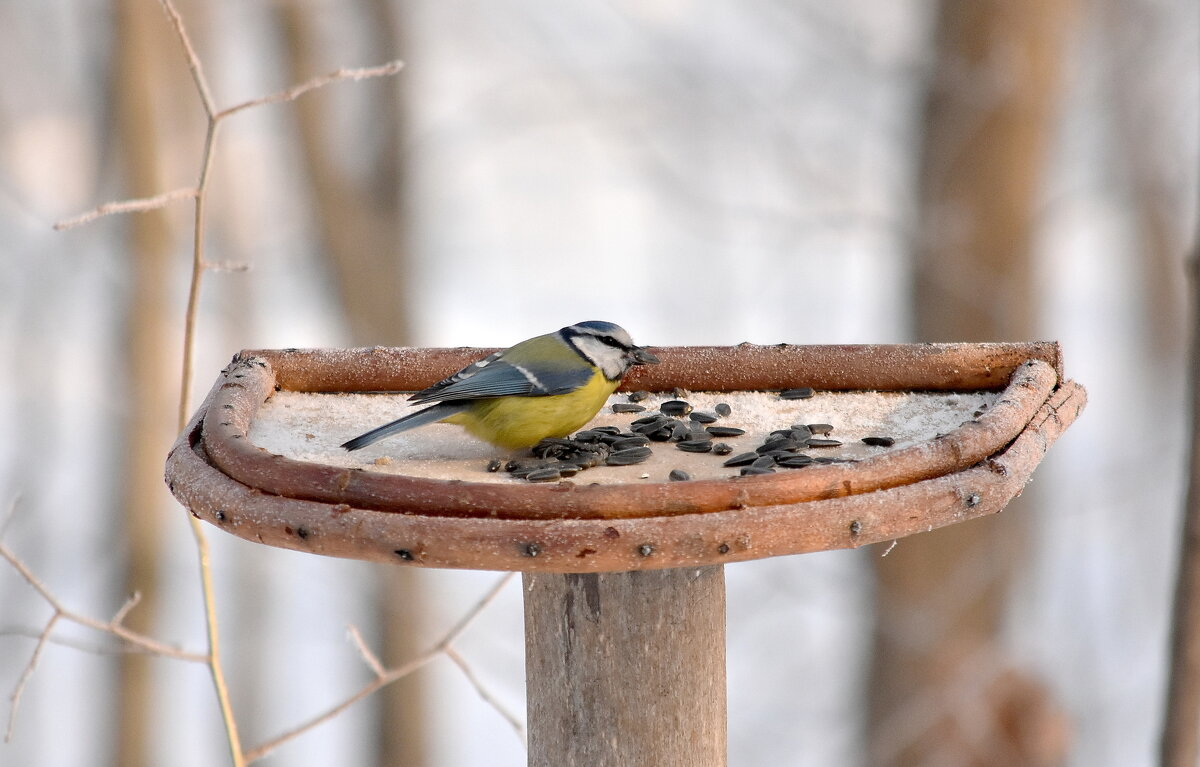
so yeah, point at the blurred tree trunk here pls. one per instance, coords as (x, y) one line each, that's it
(941, 692)
(363, 226)
(1144, 145)
(149, 407)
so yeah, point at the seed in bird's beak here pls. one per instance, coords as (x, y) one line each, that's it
(643, 357)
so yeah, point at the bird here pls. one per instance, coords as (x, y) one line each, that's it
(546, 386)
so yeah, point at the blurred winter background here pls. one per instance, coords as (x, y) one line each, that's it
(702, 172)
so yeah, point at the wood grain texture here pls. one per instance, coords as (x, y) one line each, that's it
(626, 669)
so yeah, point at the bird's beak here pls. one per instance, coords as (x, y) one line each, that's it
(643, 357)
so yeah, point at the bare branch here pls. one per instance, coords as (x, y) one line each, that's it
(140, 205)
(473, 613)
(132, 637)
(484, 693)
(130, 603)
(296, 91)
(122, 648)
(386, 677)
(368, 657)
(15, 698)
(8, 515)
(197, 70)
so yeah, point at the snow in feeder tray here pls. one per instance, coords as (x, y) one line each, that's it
(311, 427)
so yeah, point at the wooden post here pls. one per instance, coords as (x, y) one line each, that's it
(626, 669)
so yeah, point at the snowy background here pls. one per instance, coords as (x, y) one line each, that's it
(700, 172)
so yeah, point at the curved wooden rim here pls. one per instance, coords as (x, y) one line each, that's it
(251, 378)
(598, 545)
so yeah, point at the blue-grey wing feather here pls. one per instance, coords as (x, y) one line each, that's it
(428, 395)
(502, 379)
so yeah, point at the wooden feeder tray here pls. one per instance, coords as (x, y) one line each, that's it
(974, 469)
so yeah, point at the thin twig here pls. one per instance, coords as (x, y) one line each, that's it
(194, 65)
(15, 698)
(130, 603)
(8, 514)
(296, 91)
(486, 694)
(140, 205)
(75, 644)
(384, 679)
(109, 627)
(199, 266)
(370, 658)
(473, 613)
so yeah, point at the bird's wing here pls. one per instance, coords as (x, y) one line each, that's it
(494, 377)
(430, 394)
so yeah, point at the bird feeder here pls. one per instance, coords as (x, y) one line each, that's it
(623, 568)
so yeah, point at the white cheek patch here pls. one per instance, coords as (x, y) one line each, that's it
(607, 358)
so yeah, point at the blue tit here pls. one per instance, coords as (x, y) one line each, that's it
(547, 386)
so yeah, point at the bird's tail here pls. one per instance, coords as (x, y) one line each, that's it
(431, 414)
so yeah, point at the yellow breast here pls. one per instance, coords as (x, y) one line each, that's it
(515, 422)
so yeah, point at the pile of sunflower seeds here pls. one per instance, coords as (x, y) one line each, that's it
(692, 431)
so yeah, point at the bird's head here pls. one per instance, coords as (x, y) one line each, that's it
(607, 346)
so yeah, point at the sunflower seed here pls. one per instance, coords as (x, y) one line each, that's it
(638, 440)
(675, 407)
(794, 460)
(628, 456)
(638, 396)
(514, 466)
(524, 471)
(679, 475)
(649, 428)
(803, 392)
(679, 431)
(588, 436)
(820, 428)
(742, 459)
(818, 442)
(648, 419)
(779, 444)
(702, 417)
(495, 465)
(661, 434)
(679, 392)
(752, 470)
(725, 431)
(695, 446)
(723, 409)
(543, 475)
(878, 441)
(623, 407)
(720, 448)
(763, 462)
(610, 430)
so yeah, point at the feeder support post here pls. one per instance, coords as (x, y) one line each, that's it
(626, 669)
